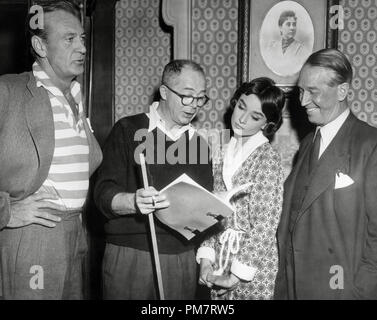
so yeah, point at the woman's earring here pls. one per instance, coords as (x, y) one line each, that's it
(269, 128)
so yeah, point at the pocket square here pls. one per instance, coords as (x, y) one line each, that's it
(342, 180)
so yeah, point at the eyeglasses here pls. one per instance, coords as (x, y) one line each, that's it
(189, 100)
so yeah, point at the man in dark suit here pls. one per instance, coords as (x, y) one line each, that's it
(47, 153)
(327, 235)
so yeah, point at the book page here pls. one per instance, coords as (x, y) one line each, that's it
(193, 209)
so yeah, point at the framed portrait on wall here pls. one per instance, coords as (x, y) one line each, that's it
(276, 37)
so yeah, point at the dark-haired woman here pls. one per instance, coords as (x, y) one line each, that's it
(241, 261)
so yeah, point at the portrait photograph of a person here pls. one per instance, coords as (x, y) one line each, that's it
(286, 38)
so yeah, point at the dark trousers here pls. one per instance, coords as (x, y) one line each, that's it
(37, 262)
(128, 274)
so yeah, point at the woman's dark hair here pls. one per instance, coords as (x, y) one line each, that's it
(285, 15)
(272, 100)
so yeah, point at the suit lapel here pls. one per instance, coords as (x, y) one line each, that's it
(289, 186)
(335, 158)
(291, 180)
(40, 123)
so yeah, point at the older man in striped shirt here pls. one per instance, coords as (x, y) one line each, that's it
(47, 153)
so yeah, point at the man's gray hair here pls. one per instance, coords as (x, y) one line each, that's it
(174, 68)
(334, 60)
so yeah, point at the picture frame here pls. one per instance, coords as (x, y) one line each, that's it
(259, 20)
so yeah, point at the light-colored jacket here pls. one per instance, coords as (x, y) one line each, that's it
(27, 140)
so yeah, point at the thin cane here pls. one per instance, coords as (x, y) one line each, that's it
(153, 233)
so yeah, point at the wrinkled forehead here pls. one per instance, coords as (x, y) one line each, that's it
(314, 76)
(62, 22)
(190, 79)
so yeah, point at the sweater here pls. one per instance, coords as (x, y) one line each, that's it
(166, 161)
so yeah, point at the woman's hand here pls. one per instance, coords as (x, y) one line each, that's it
(226, 282)
(206, 270)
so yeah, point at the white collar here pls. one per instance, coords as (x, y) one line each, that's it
(234, 158)
(155, 121)
(329, 131)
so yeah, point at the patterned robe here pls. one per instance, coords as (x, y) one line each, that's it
(257, 211)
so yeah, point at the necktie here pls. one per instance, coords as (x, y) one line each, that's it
(314, 152)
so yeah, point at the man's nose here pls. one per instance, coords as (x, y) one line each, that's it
(81, 46)
(306, 98)
(194, 104)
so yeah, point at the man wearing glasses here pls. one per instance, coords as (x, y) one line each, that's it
(119, 193)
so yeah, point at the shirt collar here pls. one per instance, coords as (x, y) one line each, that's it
(287, 42)
(39, 74)
(248, 147)
(329, 131)
(155, 121)
(234, 158)
(43, 80)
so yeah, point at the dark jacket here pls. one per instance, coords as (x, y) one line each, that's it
(336, 229)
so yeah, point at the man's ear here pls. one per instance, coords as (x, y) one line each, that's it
(343, 89)
(39, 46)
(163, 92)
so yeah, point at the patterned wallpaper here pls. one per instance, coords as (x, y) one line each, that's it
(214, 46)
(358, 40)
(142, 48)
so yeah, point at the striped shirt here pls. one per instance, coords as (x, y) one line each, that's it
(68, 177)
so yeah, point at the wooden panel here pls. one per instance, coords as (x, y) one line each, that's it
(14, 51)
(101, 106)
(102, 87)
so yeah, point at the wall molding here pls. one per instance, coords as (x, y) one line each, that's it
(177, 13)
(103, 56)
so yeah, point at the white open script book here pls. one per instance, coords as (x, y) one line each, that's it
(194, 209)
